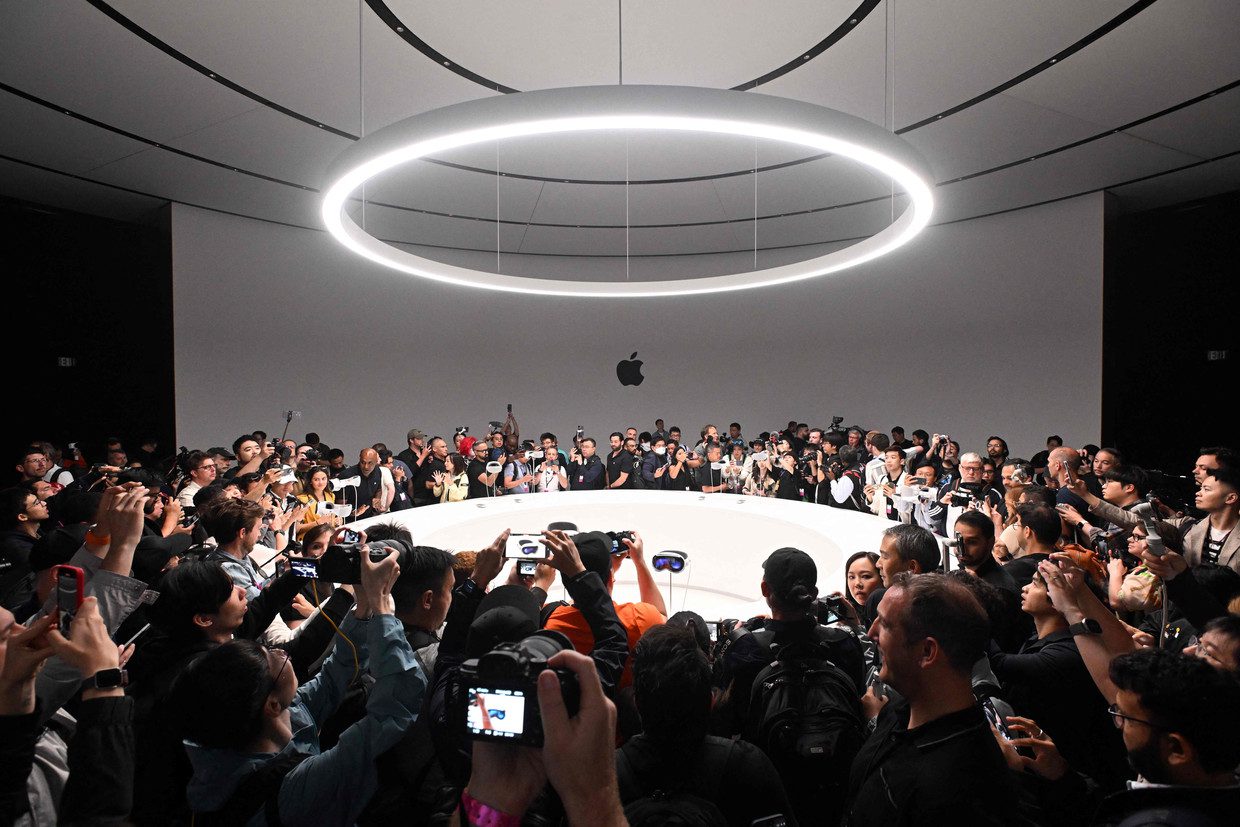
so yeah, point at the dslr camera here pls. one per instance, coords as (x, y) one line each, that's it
(617, 541)
(497, 694)
(343, 564)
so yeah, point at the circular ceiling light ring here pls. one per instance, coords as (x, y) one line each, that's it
(619, 108)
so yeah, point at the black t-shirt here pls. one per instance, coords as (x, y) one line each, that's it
(707, 477)
(788, 486)
(617, 464)
(367, 489)
(477, 489)
(422, 494)
(745, 784)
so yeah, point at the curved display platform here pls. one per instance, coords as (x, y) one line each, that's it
(726, 537)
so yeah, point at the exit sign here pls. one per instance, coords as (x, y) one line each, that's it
(65, 361)
(1216, 355)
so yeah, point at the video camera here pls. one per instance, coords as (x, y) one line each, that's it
(343, 564)
(497, 693)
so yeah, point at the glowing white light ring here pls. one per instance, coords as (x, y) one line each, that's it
(614, 108)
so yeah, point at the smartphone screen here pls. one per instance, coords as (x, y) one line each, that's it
(527, 568)
(495, 713)
(995, 719)
(349, 536)
(525, 547)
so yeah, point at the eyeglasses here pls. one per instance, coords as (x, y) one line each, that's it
(1118, 718)
(286, 658)
(206, 465)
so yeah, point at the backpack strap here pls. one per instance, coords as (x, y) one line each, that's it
(547, 610)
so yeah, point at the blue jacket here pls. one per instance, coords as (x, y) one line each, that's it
(330, 787)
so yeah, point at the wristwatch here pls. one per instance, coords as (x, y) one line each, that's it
(114, 678)
(1088, 626)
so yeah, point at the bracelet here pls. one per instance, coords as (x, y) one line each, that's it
(484, 815)
(94, 539)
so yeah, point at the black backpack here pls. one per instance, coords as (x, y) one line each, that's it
(670, 804)
(258, 792)
(805, 714)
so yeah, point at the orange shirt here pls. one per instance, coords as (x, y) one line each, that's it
(635, 617)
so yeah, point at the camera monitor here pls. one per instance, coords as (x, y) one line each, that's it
(495, 713)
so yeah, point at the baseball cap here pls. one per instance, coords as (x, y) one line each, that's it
(594, 548)
(220, 452)
(788, 568)
(415, 433)
(506, 614)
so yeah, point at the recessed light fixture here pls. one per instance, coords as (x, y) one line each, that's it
(622, 109)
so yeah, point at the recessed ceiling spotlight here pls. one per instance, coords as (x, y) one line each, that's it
(623, 110)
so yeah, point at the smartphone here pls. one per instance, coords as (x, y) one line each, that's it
(349, 536)
(1067, 470)
(509, 407)
(992, 715)
(525, 547)
(70, 591)
(527, 568)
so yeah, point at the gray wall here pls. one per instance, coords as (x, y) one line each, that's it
(988, 325)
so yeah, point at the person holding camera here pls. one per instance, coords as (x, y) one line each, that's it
(576, 758)
(518, 475)
(586, 471)
(787, 480)
(551, 474)
(481, 482)
(252, 730)
(251, 455)
(200, 471)
(594, 550)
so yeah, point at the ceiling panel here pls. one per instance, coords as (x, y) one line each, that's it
(37, 186)
(270, 142)
(1167, 54)
(946, 53)
(304, 55)
(38, 134)
(66, 52)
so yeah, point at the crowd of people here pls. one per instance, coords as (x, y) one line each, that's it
(213, 638)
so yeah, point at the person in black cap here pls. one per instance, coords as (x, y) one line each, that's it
(595, 549)
(790, 586)
(477, 621)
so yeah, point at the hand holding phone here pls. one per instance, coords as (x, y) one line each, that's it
(70, 592)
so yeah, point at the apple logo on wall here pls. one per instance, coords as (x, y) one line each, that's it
(629, 371)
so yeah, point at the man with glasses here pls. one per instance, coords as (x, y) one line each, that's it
(245, 714)
(21, 515)
(201, 470)
(481, 484)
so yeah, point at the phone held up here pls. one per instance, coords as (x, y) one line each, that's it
(70, 592)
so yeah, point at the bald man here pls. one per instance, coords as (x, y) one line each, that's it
(369, 490)
(425, 481)
(1063, 466)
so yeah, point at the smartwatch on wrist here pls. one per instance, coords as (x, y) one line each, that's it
(114, 678)
(1088, 626)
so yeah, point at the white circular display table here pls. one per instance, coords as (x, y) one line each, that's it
(725, 536)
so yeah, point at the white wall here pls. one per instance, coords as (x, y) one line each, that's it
(990, 325)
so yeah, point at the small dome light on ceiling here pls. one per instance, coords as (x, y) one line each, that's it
(620, 110)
